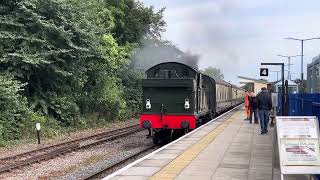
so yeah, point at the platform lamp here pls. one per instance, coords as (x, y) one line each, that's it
(38, 127)
(289, 62)
(302, 43)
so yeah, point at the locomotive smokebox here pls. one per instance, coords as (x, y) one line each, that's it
(146, 124)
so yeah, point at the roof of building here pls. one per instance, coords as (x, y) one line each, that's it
(315, 60)
(290, 83)
(254, 80)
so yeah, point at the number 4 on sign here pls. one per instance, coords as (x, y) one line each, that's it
(264, 71)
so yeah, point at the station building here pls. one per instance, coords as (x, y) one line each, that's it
(255, 85)
(292, 87)
(313, 75)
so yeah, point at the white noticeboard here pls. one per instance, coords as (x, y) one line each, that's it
(298, 142)
(297, 128)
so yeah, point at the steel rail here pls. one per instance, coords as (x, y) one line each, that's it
(63, 148)
(108, 168)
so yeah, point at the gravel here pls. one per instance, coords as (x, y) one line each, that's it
(68, 166)
(28, 146)
(80, 163)
(125, 148)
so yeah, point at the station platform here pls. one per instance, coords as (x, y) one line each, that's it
(226, 148)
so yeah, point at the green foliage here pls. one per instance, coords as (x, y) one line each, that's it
(64, 60)
(49, 126)
(133, 21)
(248, 87)
(213, 72)
(132, 82)
(48, 52)
(13, 108)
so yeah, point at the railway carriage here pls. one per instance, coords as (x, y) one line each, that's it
(179, 98)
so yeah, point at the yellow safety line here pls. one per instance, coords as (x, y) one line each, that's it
(177, 165)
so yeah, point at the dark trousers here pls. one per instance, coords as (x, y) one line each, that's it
(255, 113)
(264, 120)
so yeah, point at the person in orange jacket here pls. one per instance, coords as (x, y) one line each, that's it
(247, 105)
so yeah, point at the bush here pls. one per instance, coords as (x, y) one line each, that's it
(13, 108)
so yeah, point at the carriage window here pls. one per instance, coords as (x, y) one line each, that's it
(204, 85)
(220, 94)
(223, 94)
(226, 93)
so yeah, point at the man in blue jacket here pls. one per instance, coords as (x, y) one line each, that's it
(264, 103)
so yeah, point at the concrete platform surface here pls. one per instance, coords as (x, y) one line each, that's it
(227, 148)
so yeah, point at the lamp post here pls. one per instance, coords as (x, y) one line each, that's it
(302, 41)
(292, 74)
(289, 59)
(277, 74)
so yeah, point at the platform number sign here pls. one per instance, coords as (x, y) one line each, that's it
(264, 71)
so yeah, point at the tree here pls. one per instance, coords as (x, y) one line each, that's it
(13, 108)
(62, 53)
(133, 21)
(213, 72)
(64, 59)
(133, 24)
(248, 87)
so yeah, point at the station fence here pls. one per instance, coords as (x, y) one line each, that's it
(303, 104)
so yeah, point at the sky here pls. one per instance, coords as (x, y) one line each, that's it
(237, 35)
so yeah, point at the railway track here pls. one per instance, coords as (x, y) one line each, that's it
(108, 170)
(102, 172)
(49, 152)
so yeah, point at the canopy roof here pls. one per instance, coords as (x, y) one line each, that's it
(290, 83)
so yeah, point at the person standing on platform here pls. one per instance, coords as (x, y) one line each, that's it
(247, 105)
(264, 104)
(253, 108)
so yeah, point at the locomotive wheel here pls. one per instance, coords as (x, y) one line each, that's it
(160, 136)
(211, 116)
(155, 140)
(207, 118)
(199, 122)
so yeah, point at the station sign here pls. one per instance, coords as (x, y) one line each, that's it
(264, 72)
(298, 128)
(300, 152)
(298, 139)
